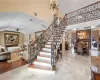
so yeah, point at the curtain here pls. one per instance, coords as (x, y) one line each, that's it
(95, 35)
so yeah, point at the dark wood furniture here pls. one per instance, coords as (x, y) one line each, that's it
(66, 46)
(84, 37)
(60, 46)
(95, 73)
(95, 66)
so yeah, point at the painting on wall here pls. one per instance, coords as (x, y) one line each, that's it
(11, 39)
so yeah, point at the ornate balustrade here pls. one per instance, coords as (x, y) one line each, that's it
(55, 42)
(39, 43)
(88, 13)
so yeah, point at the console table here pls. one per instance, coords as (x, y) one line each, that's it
(95, 73)
(15, 55)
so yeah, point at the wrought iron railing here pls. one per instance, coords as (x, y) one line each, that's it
(85, 14)
(39, 43)
(55, 43)
(88, 13)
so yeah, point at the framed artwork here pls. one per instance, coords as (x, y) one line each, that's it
(11, 39)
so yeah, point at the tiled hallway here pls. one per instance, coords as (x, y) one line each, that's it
(71, 67)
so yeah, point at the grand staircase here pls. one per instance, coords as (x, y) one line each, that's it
(43, 52)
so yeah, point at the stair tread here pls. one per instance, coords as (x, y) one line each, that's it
(47, 51)
(44, 51)
(33, 66)
(43, 56)
(41, 61)
(45, 48)
(48, 47)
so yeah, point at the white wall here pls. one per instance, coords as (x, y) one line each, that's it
(85, 24)
(67, 6)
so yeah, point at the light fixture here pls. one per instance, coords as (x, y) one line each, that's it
(93, 26)
(82, 35)
(53, 5)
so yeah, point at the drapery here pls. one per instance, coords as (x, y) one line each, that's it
(95, 35)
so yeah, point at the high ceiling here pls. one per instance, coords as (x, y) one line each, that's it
(67, 6)
(34, 15)
(30, 7)
(27, 15)
(25, 23)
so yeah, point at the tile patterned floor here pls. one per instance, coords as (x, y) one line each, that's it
(71, 67)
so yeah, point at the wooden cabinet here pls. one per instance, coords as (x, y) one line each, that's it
(60, 46)
(95, 76)
(66, 46)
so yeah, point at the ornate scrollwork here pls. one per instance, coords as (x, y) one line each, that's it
(88, 13)
(39, 43)
(54, 43)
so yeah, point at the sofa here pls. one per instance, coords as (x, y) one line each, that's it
(4, 53)
(5, 56)
(7, 52)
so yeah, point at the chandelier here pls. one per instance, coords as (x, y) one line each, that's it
(53, 5)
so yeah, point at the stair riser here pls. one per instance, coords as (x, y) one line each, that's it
(44, 60)
(38, 66)
(49, 56)
(46, 50)
(45, 54)
(42, 65)
(41, 71)
(48, 42)
(49, 46)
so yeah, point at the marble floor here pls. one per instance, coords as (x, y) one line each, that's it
(5, 66)
(70, 67)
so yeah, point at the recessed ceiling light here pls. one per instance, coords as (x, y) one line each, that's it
(31, 20)
(35, 14)
(93, 26)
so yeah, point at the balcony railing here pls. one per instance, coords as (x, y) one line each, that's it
(85, 14)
